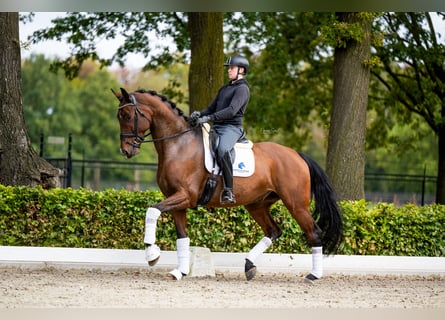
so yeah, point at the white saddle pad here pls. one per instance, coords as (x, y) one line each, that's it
(244, 165)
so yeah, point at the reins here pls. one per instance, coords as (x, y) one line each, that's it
(167, 137)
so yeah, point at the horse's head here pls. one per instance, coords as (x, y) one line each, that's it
(133, 123)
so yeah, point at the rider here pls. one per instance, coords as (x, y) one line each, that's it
(227, 111)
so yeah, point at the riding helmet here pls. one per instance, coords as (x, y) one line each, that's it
(237, 60)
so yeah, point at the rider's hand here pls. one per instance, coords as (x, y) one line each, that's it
(195, 115)
(204, 119)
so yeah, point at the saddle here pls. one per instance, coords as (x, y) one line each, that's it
(242, 159)
(242, 154)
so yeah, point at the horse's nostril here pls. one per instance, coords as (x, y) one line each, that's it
(124, 152)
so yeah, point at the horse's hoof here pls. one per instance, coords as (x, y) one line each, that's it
(310, 278)
(153, 262)
(249, 270)
(250, 274)
(175, 275)
(152, 254)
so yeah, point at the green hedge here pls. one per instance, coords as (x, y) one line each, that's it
(115, 219)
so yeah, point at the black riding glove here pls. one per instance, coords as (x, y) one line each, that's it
(204, 119)
(195, 115)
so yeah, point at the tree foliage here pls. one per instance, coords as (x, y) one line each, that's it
(175, 34)
(83, 107)
(56, 106)
(412, 73)
(84, 30)
(48, 101)
(291, 74)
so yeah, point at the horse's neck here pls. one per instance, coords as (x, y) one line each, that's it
(169, 133)
(166, 122)
(184, 148)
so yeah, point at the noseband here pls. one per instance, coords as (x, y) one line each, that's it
(141, 139)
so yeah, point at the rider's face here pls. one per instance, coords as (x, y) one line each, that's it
(233, 72)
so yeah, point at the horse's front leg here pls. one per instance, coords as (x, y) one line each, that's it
(152, 251)
(177, 203)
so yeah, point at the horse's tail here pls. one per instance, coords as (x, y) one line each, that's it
(327, 214)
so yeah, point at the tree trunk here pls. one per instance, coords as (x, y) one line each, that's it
(345, 163)
(19, 163)
(440, 185)
(206, 74)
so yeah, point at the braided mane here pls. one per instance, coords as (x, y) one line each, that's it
(164, 99)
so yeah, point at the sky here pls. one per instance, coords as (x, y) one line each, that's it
(52, 49)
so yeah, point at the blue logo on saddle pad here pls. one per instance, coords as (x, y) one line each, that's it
(241, 165)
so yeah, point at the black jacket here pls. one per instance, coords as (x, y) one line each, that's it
(230, 103)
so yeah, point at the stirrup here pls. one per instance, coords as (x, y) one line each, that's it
(227, 197)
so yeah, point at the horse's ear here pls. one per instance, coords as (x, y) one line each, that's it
(117, 95)
(125, 94)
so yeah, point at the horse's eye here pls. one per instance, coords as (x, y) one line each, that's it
(124, 116)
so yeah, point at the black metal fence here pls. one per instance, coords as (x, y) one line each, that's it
(99, 174)
(102, 174)
(400, 188)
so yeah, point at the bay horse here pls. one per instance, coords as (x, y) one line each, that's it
(280, 173)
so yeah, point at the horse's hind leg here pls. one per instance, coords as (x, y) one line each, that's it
(260, 212)
(312, 233)
(182, 245)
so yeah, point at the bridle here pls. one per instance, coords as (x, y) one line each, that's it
(137, 138)
(141, 139)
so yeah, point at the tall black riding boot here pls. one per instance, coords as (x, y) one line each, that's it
(227, 175)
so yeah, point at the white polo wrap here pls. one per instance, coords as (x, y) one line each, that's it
(183, 251)
(317, 261)
(259, 248)
(151, 218)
